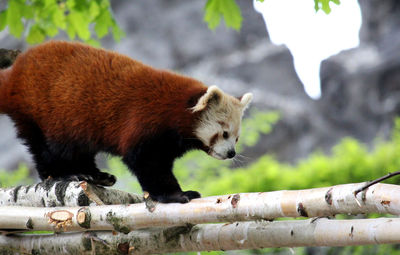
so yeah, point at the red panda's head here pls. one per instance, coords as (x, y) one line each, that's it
(218, 126)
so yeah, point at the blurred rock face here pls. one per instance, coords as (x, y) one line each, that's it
(172, 35)
(361, 86)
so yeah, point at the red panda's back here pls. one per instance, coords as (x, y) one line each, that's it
(70, 89)
(74, 91)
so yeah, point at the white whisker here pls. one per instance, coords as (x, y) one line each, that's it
(237, 162)
(243, 156)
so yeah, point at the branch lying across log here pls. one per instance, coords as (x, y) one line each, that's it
(380, 198)
(233, 236)
(52, 193)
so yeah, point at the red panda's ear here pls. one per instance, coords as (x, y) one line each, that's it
(211, 97)
(245, 100)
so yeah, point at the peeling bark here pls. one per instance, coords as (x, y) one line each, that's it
(52, 193)
(232, 236)
(380, 198)
(147, 227)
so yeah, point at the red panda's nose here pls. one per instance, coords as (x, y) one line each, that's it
(231, 154)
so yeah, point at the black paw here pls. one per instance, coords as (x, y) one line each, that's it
(104, 179)
(100, 178)
(192, 194)
(177, 197)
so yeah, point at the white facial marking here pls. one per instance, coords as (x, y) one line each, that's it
(219, 124)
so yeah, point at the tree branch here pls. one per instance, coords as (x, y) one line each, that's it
(380, 198)
(52, 193)
(233, 236)
(370, 183)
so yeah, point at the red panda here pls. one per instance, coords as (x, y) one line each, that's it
(70, 101)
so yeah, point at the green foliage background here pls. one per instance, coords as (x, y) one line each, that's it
(91, 20)
(35, 19)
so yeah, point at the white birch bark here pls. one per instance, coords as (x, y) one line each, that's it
(233, 236)
(380, 198)
(64, 193)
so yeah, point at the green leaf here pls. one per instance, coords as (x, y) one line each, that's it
(51, 30)
(228, 9)
(59, 19)
(80, 24)
(316, 5)
(104, 4)
(212, 14)
(117, 32)
(94, 9)
(70, 4)
(35, 35)
(103, 21)
(27, 11)
(48, 3)
(324, 5)
(232, 16)
(76, 17)
(93, 42)
(3, 19)
(15, 24)
(71, 32)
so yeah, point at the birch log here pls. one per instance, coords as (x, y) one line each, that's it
(233, 236)
(380, 198)
(50, 193)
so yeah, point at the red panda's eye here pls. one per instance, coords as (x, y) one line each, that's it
(225, 135)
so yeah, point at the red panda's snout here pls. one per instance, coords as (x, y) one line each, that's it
(229, 155)
(223, 149)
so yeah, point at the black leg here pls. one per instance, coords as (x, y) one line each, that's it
(34, 139)
(156, 177)
(83, 168)
(152, 164)
(60, 161)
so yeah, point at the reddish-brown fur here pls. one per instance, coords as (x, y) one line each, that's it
(76, 92)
